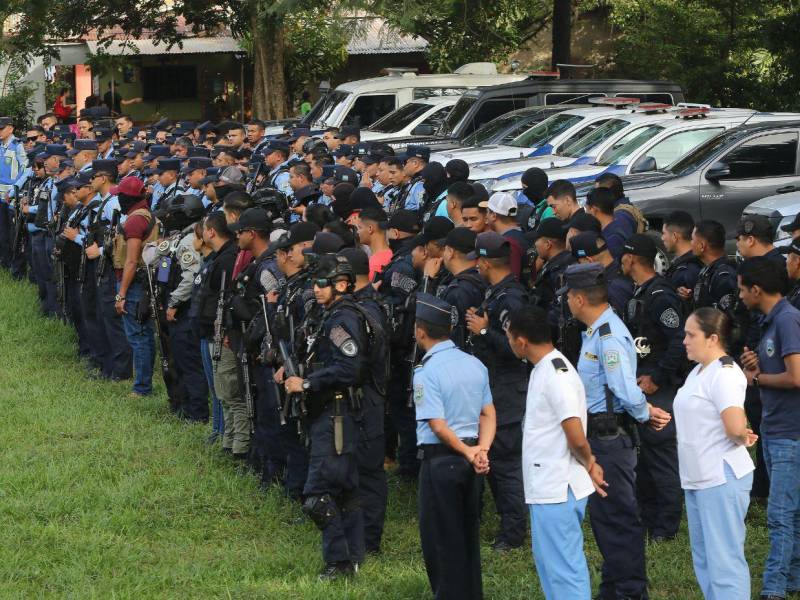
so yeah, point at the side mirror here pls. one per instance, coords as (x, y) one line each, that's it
(423, 129)
(644, 164)
(718, 170)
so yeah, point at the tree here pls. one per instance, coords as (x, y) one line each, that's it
(562, 32)
(262, 22)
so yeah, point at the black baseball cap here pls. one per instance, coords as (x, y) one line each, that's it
(640, 244)
(326, 242)
(357, 258)
(490, 244)
(252, 218)
(461, 239)
(403, 220)
(582, 276)
(585, 245)
(550, 228)
(583, 222)
(436, 228)
(298, 233)
(6, 122)
(793, 226)
(757, 225)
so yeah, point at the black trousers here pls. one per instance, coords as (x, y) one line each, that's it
(505, 480)
(615, 521)
(753, 408)
(6, 233)
(98, 343)
(658, 482)
(75, 314)
(188, 364)
(266, 443)
(449, 514)
(403, 418)
(372, 490)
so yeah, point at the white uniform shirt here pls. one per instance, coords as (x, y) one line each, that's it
(548, 467)
(703, 446)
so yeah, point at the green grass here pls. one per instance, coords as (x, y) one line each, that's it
(102, 496)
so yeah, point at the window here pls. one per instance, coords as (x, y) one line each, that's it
(772, 155)
(670, 149)
(628, 144)
(437, 117)
(546, 130)
(573, 98)
(330, 104)
(589, 137)
(494, 108)
(459, 111)
(426, 92)
(169, 83)
(400, 118)
(368, 109)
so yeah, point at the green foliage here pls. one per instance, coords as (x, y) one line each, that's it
(717, 49)
(16, 96)
(462, 31)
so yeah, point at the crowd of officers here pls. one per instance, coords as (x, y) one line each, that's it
(347, 307)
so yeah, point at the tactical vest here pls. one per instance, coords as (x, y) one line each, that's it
(9, 166)
(120, 246)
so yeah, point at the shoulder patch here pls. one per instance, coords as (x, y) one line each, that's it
(726, 361)
(670, 318)
(403, 282)
(611, 359)
(419, 394)
(560, 365)
(187, 258)
(605, 329)
(342, 340)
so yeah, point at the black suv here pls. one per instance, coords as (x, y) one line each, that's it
(721, 177)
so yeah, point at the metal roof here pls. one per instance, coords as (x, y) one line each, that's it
(205, 45)
(374, 36)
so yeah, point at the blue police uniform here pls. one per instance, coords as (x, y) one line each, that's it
(13, 173)
(279, 178)
(336, 366)
(453, 386)
(684, 270)
(40, 258)
(780, 431)
(607, 367)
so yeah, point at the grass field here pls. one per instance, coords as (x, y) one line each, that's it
(106, 497)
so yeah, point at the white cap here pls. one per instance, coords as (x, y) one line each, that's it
(231, 175)
(502, 203)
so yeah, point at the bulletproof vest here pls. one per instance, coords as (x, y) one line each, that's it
(703, 290)
(543, 287)
(378, 349)
(648, 340)
(400, 201)
(120, 246)
(9, 165)
(165, 197)
(71, 251)
(492, 306)
(42, 200)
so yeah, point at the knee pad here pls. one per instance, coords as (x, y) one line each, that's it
(321, 510)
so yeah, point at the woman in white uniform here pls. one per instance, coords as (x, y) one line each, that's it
(715, 466)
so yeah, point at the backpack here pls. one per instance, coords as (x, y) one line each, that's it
(636, 213)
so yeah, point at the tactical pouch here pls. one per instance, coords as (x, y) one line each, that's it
(143, 312)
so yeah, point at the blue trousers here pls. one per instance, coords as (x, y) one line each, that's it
(782, 569)
(717, 531)
(557, 534)
(119, 360)
(217, 420)
(140, 337)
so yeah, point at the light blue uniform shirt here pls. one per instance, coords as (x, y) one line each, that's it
(415, 196)
(281, 182)
(22, 164)
(610, 359)
(158, 190)
(450, 385)
(377, 187)
(441, 210)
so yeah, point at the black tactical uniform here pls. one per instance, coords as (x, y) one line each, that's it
(464, 290)
(683, 272)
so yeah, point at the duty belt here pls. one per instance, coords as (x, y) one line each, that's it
(428, 451)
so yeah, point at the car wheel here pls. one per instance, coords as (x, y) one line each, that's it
(662, 258)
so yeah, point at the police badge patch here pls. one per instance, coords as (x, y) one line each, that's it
(769, 348)
(342, 340)
(670, 318)
(611, 358)
(453, 316)
(403, 282)
(187, 258)
(419, 394)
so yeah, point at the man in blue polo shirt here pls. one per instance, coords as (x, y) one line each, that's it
(774, 368)
(455, 428)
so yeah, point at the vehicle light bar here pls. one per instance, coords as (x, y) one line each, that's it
(616, 102)
(653, 107)
(693, 113)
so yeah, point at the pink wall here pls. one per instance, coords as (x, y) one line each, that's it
(83, 85)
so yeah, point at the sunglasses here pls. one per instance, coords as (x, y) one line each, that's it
(33, 138)
(323, 282)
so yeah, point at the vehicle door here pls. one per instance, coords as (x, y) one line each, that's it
(762, 165)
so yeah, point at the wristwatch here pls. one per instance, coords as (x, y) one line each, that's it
(483, 331)
(119, 298)
(306, 385)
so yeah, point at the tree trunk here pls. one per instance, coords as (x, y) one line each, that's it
(269, 81)
(562, 32)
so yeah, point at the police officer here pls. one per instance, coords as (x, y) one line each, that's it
(276, 157)
(397, 283)
(177, 268)
(549, 241)
(248, 308)
(654, 317)
(167, 171)
(508, 377)
(455, 432)
(615, 403)
(412, 192)
(336, 365)
(684, 269)
(13, 173)
(288, 310)
(466, 288)
(793, 271)
(372, 488)
(589, 247)
(716, 283)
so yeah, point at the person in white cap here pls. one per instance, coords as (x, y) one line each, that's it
(502, 218)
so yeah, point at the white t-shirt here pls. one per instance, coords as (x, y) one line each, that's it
(548, 467)
(703, 446)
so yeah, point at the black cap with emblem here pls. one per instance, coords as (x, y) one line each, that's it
(433, 310)
(642, 245)
(755, 225)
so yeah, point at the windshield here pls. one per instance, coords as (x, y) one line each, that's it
(699, 155)
(400, 118)
(459, 112)
(598, 135)
(330, 102)
(628, 144)
(545, 131)
(490, 130)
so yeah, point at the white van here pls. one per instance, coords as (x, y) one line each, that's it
(363, 102)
